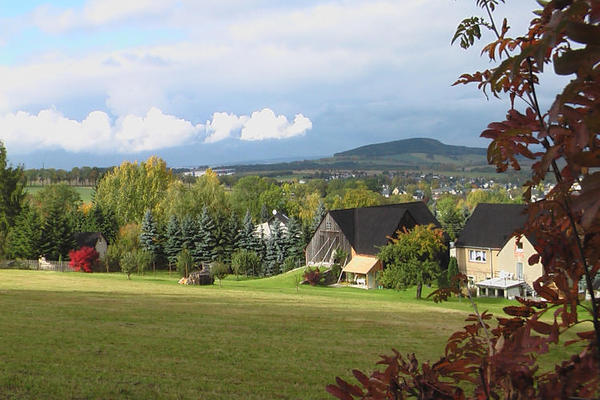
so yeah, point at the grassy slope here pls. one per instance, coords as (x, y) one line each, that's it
(68, 335)
(85, 192)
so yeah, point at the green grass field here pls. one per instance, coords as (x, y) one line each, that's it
(100, 336)
(85, 192)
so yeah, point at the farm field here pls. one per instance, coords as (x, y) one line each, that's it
(85, 192)
(72, 335)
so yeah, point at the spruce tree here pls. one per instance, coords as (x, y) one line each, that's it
(206, 244)
(173, 240)
(231, 236)
(247, 238)
(270, 258)
(189, 232)
(149, 237)
(294, 241)
(275, 249)
(260, 248)
(220, 235)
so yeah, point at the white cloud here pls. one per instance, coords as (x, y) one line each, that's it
(154, 131)
(223, 125)
(23, 132)
(260, 125)
(96, 13)
(265, 124)
(267, 50)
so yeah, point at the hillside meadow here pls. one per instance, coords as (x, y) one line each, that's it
(99, 336)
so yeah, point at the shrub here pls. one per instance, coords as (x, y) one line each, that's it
(219, 271)
(112, 258)
(289, 264)
(128, 263)
(245, 262)
(83, 259)
(185, 263)
(143, 260)
(313, 276)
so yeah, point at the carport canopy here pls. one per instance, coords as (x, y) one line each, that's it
(361, 264)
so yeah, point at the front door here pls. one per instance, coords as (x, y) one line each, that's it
(520, 271)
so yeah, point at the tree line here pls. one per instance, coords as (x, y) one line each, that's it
(210, 208)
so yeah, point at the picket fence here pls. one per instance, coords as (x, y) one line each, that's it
(41, 265)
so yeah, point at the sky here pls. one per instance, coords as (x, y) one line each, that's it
(97, 82)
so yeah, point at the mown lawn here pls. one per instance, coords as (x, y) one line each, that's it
(99, 336)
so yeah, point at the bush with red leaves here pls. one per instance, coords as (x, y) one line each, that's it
(313, 276)
(83, 259)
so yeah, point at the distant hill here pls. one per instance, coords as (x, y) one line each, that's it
(407, 154)
(408, 146)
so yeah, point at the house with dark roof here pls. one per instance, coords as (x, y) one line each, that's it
(360, 232)
(487, 251)
(94, 240)
(264, 230)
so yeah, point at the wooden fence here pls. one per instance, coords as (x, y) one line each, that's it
(59, 266)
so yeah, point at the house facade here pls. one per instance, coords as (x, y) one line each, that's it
(360, 232)
(488, 252)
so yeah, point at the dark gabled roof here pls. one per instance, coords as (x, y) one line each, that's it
(492, 225)
(368, 228)
(284, 219)
(88, 239)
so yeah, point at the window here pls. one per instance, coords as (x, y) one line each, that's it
(519, 246)
(520, 271)
(477, 255)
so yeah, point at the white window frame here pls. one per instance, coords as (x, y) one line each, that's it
(479, 256)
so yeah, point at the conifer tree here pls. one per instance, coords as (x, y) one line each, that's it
(189, 232)
(24, 237)
(11, 192)
(173, 240)
(294, 242)
(220, 233)
(57, 235)
(105, 222)
(149, 237)
(206, 244)
(231, 237)
(247, 238)
(264, 213)
(276, 245)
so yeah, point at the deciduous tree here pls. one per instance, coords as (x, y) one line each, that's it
(131, 188)
(412, 258)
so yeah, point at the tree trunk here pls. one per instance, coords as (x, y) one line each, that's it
(419, 290)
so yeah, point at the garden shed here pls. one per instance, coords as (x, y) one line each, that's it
(95, 240)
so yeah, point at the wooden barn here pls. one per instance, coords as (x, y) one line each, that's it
(360, 232)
